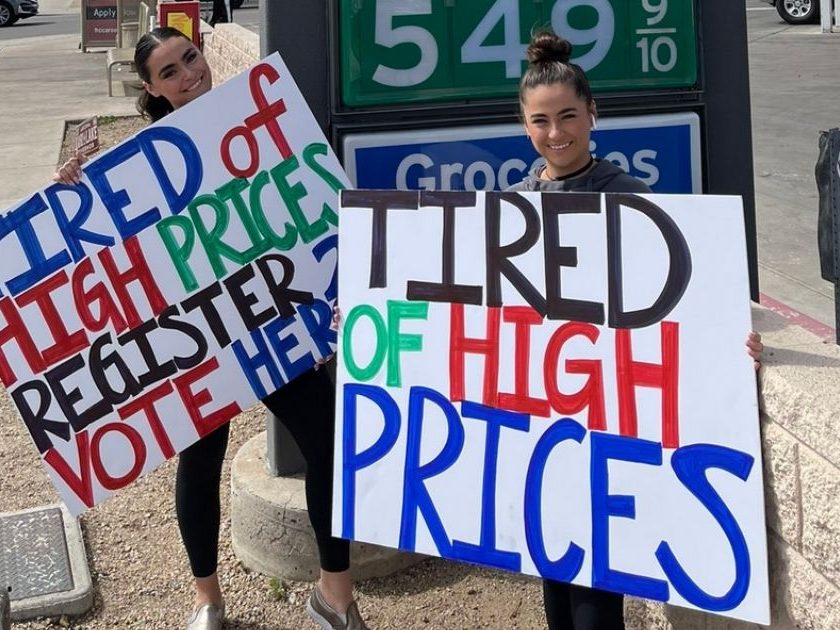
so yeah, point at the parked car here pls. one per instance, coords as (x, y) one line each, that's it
(13, 10)
(797, 11)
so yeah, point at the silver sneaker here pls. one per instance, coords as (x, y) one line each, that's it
(207, 617)
(327, 619)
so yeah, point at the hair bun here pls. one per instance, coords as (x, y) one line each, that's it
(546, 47)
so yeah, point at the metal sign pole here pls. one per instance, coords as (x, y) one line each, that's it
(826, 20)
(834, 201)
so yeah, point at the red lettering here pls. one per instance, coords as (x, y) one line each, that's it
(253, 152)
(194, 401)
(146, 404)
(135, 440)
(138, 272)
(267, 113)
(66, 344)
(665, 377)
(459, 345)
(591, 395)
(80, 484)
(98, 293)
(523, 318)
(266, 116)
(16, 330)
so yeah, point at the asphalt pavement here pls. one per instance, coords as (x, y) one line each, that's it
(794, 74)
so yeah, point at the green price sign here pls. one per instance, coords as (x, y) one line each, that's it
(398, 51)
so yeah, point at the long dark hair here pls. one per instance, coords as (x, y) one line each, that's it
(548, 63)
(152, 107)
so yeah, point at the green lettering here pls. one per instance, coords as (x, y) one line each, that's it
(179, 253)
(375, 364)
(281, 243)
(292, 194)
(309, 153)
(397, 341)
(232, 191)
(212, 239)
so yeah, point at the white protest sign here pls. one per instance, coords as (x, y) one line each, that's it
(554, 384)
(190, 273)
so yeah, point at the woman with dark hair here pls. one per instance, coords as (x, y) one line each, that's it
(174, 73)
(222, 12)
(559, 113)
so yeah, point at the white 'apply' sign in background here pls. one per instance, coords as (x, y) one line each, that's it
(554, 384)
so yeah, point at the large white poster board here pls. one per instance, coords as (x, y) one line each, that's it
(554, 384)
(190, 273)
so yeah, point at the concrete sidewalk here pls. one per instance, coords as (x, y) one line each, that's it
(45, 81)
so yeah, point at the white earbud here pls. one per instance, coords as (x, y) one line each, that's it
(594, 122)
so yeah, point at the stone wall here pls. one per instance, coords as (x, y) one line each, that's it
(229, 49)
(800, 403)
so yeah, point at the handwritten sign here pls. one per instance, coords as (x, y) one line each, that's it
(556, 385)
(190, 273)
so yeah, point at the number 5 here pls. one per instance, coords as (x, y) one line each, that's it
(388, 36)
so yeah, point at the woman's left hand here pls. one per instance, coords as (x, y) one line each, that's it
(755, 348)
(336, 322)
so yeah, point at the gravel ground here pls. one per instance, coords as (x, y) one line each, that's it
(141, 576)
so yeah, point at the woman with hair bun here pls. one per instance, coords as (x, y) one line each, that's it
(559, 114)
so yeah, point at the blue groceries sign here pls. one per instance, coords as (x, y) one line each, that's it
(662, 150)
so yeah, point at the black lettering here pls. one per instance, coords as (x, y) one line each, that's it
(36, 420)
(679, 269)
(244, 301)
(140, 336)
(557, 256)
(380, 202)
(168, 321)
(203, 300)
(281, 293)
(99, 366)
(498, 263)
(67, 400)
(446, 290)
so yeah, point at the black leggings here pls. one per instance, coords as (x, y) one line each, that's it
(306, 407)
(572, 607)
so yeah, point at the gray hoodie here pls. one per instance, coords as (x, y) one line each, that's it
(604, 177)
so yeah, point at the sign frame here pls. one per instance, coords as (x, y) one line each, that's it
(88, 24)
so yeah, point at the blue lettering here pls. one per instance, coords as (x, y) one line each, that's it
(567, 567)
(317, 317)
(614, 447)
(415, 495)
(192, 161)
(250, 364)
(73, 230)
(690, 464)
(319, 251)
(117, 200)
(19, 221)
(485, 552)
(282, 346)
(354, 462)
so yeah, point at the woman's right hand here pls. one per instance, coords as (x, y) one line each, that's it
(71, 171)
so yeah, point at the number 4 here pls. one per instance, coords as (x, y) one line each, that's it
(512, 52)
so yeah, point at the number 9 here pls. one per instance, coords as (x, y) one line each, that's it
(659, 9)
(601, 35)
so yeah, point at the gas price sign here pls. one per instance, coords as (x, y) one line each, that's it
(396, 51)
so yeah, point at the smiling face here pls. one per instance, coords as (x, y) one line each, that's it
(178, 72)
(558, 122)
